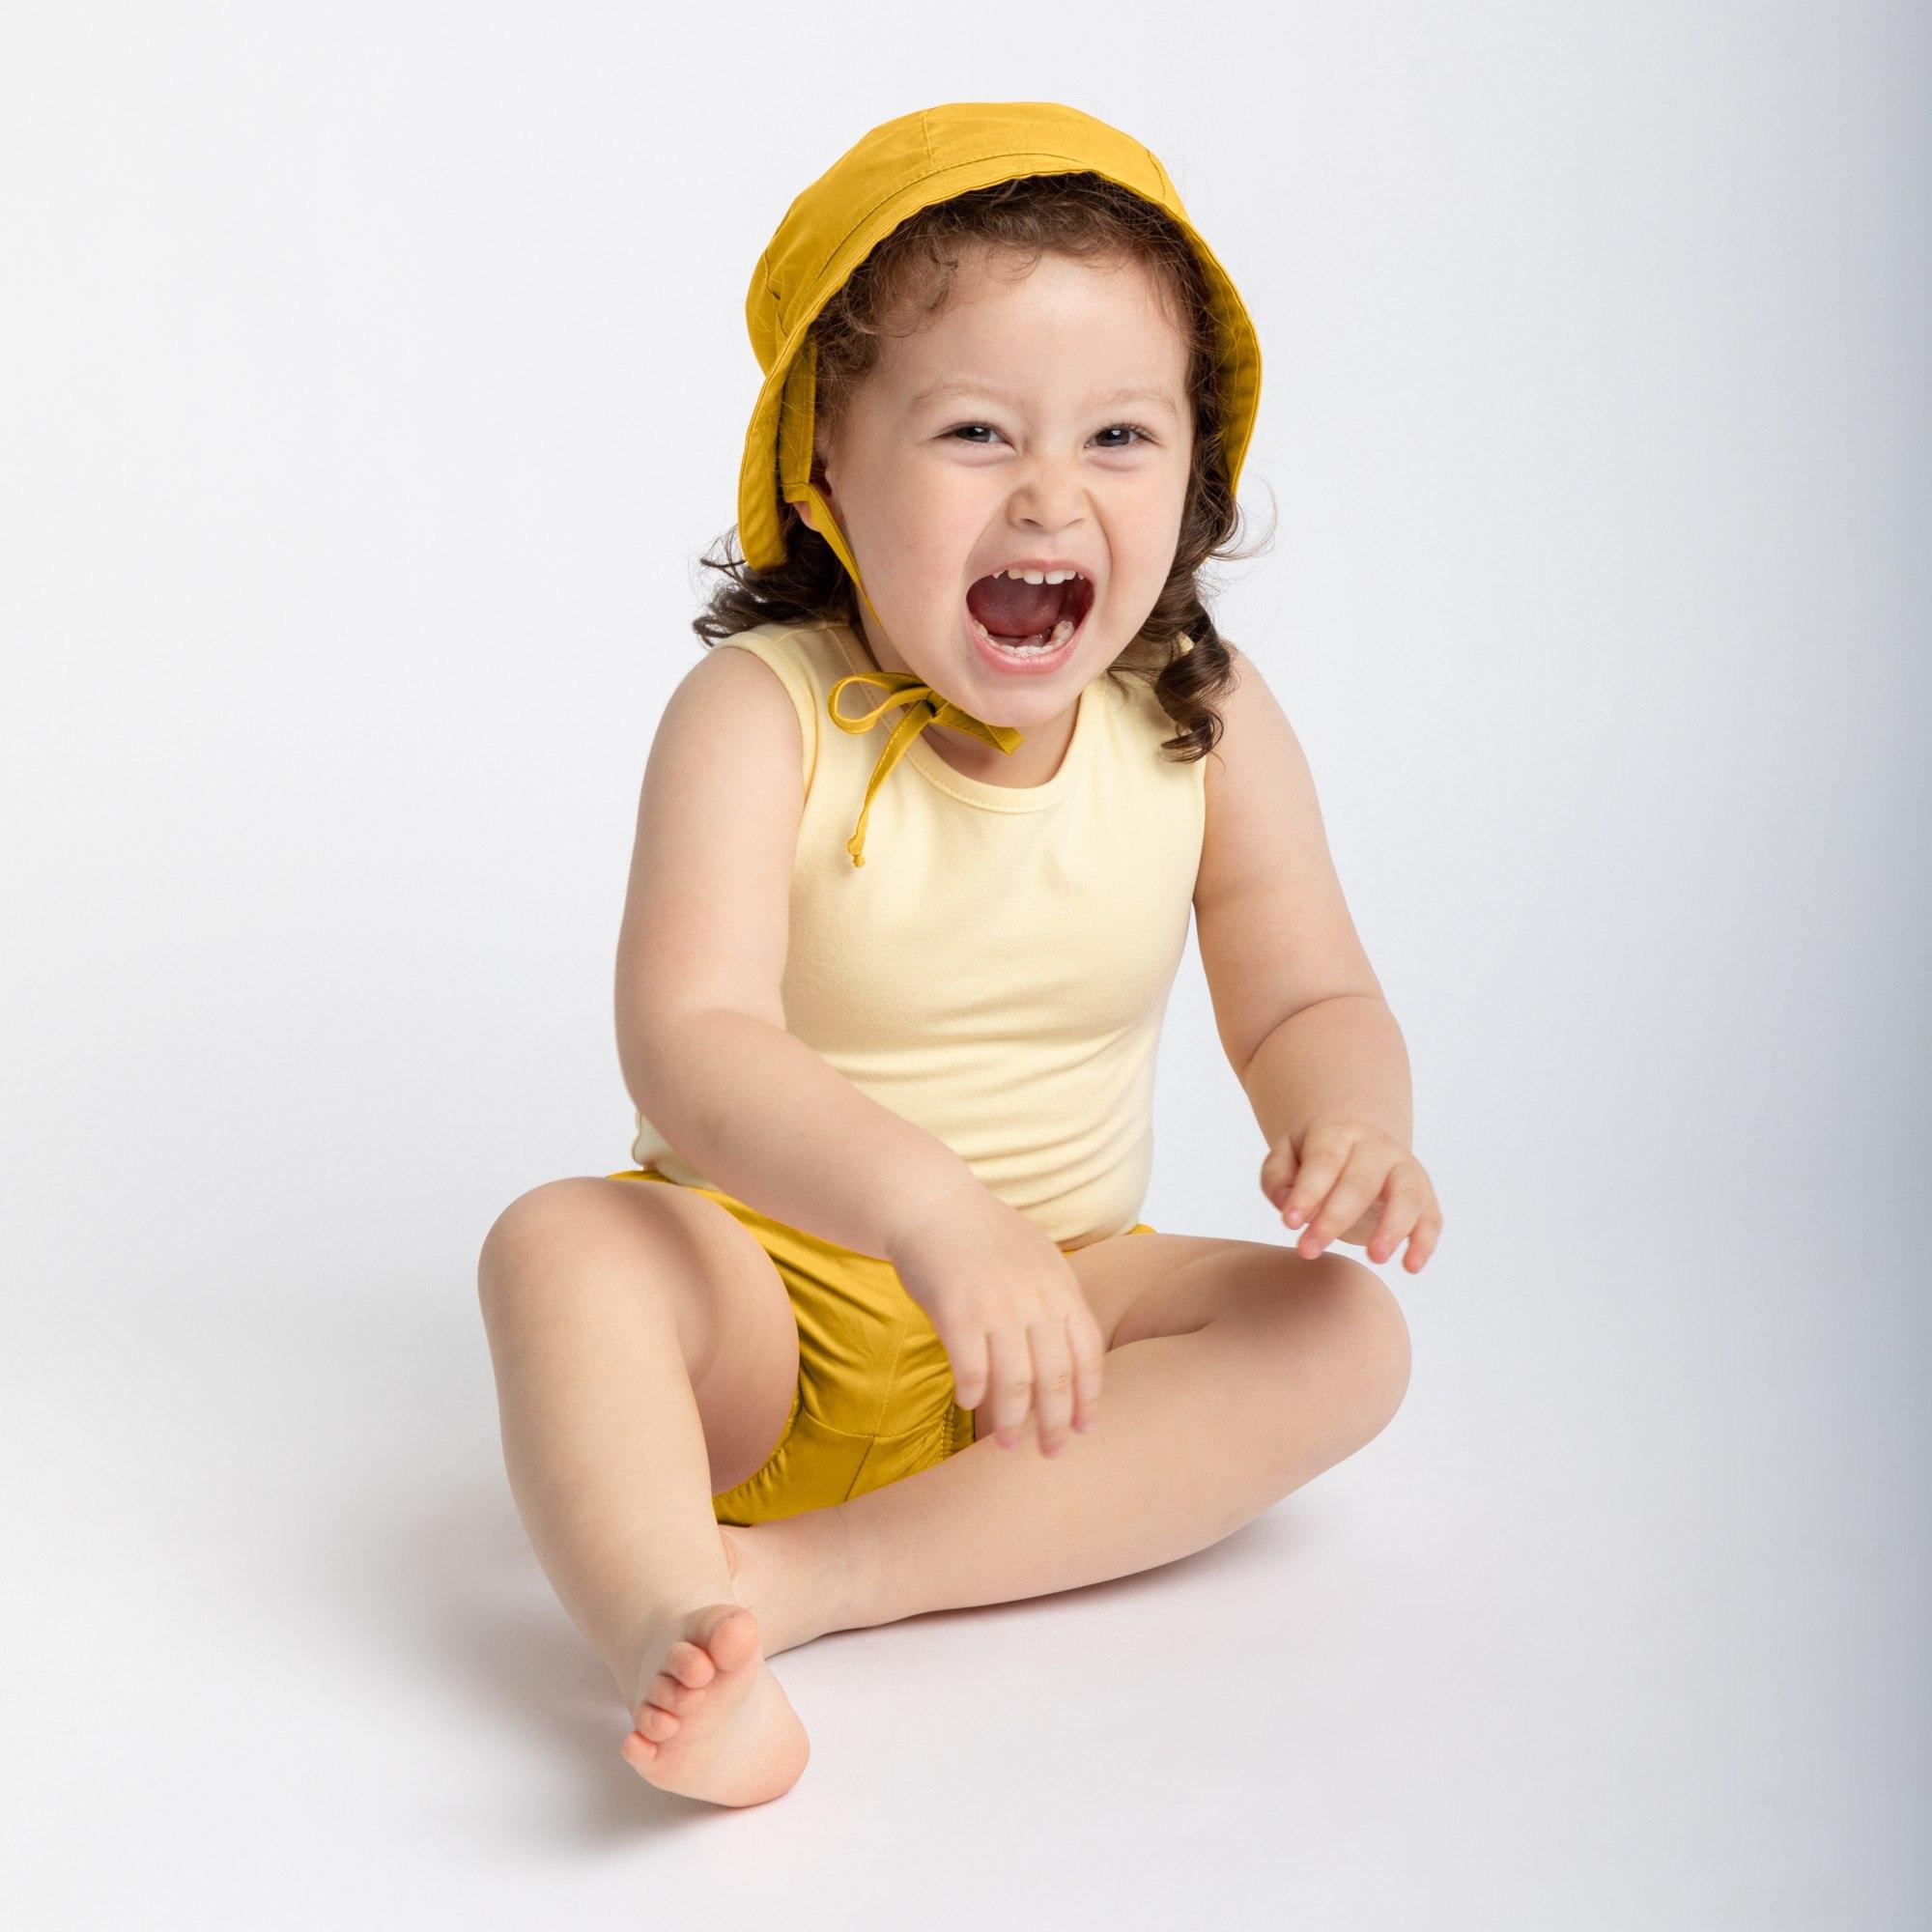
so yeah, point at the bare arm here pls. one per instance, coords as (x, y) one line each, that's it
(1299, 1009)
(701, 1033)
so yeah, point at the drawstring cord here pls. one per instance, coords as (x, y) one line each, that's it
(925, 706)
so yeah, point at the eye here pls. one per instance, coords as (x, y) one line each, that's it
(964, 431)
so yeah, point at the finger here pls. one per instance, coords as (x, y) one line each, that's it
(1052, 1383)
(1320, 1164)
(968, 1355)
(1278, 1172)
(1399, 1213)
(1422, 1244)
(1090, 1350)
(1360, 1183)
(1011, 1392)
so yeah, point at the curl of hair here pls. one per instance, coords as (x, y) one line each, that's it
(904, 283)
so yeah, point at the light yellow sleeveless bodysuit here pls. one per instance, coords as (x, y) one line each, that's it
(995, 970)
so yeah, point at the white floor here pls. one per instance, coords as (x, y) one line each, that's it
(1600, 1647)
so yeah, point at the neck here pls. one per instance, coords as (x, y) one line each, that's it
(1036, 759)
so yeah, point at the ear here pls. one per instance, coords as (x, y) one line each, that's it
(823, 484)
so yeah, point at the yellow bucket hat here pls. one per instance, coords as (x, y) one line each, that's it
(900, 167)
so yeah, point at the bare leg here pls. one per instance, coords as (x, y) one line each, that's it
(607, 1461)
(1196, 1433)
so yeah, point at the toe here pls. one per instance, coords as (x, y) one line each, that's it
(734, 1639)
(656, 1725)
(688, 1664)
(668, 1694)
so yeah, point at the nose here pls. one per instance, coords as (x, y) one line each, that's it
(1049, 494)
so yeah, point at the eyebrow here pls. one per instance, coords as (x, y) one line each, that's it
(1155, 398)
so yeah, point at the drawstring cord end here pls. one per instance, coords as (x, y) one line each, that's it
(924, 706)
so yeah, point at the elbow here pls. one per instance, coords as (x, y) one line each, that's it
(1244, 1062)
(657, 1041)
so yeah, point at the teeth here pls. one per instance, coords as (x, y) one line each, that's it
(1039, 576)
(1057, 637)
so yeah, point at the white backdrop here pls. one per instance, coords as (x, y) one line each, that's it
(372, 377)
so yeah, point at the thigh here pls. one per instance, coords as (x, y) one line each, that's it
(733, 1314)
(1124, 1270)
(1318, 1351)
(1140, 1286)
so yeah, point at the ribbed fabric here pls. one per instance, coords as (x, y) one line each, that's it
(998, 970)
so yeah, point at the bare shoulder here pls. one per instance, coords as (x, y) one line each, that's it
(707, 910)
(732, 694)
(1262, 803)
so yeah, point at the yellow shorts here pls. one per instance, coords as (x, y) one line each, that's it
(874, 1395)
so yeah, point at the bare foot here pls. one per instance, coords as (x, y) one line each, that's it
(712, 1722)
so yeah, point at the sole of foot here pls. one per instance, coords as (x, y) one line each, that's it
(712, 1722)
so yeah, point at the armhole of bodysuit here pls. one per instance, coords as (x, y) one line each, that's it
(797, 682)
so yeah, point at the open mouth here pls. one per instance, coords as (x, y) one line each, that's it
(1028, 619)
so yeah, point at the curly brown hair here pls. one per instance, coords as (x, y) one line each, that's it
(911, 274)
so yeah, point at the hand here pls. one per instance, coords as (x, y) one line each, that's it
(1009, 1312)
(1352, 1182)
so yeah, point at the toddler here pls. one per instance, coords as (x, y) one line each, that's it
(917, 849)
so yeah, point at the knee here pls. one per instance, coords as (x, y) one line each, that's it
(1381, 1351)
(1365, 1337)
(529, 1233)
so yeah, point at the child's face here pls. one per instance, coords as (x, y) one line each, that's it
(1029, 458)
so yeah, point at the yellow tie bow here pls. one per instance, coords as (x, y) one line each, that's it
(924, 706)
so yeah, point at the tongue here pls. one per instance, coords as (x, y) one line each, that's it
(1011, 608)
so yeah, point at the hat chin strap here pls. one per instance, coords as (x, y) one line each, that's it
(797, 408)
(827, 527)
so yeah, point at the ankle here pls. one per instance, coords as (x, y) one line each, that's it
(850, 1570)
(808, 1579)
